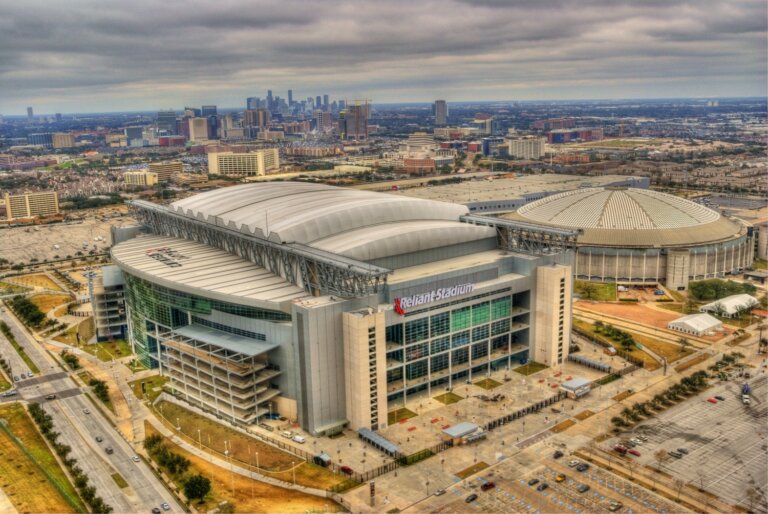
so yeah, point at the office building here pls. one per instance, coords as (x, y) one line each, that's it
(198, 129)
(323, 121)
(108, 301)
(252, 102)
(441, 112)
(532, 147)
(166, 120)
(30, 205)
(41, 139)
(232, 164)
(192, 112)
(140, 178)
(30, 115)
(575, 134)
(58, 117)
(290, 97)
(63, 140)
(208, 110)
(333, 307)
(166, 170)
(326, 105)
(270, 100)
(353, 122)
(257, 118)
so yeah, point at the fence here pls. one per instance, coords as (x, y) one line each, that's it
(536, 407)
(403, 460)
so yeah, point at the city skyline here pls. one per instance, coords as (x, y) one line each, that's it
(126, 60)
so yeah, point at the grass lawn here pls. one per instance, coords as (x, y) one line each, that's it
(563, 425)
(597, 291)
(85, 377)
(399, 414)
(475, 468)
(273, 462)
(46, 302)
(760, 264)
(86, 330)
(581, 416)
(135, 366)
(108, 350)
(247, 495)
(31, 477)
(648, 362)
(8, 288)
(153, 387)
(23, 354)
(669, 351)
(448, 398)
(119, 480)
(487, 383)
(530, 368)
(4, 384)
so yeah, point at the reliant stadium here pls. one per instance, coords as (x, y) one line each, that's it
(333, 306)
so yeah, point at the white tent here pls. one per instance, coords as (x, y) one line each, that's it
(730, 306)
(696, 324)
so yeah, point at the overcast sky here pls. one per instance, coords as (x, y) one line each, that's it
(87, 55)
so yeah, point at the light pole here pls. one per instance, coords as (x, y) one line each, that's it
(199, 440)
(293, 468)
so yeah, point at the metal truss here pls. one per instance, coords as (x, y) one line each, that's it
(316, 271)
(525, 237)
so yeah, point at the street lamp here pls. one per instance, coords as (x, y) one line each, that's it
(293, 468)
(199, 440)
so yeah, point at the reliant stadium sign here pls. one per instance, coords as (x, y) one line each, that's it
(401, 304)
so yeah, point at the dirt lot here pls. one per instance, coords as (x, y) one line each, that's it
(46, 302)
(641, 294)
(249, 495)
(40, 280)
(642, 314)
(20, 478)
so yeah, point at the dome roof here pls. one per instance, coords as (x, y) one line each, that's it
(618, 208)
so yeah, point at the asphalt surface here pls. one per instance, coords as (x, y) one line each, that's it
(79, 430)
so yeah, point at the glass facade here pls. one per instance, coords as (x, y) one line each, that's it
(156, 307)
(437, 349)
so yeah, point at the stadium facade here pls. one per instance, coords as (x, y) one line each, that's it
(638, 236)
(334, 306)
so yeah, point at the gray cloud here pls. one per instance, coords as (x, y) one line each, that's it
(93, 55)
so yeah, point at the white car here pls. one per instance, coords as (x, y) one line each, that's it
(135, 458)
(299, 439)
(86, 411)
(573, 463)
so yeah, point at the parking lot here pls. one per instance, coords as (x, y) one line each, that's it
(727, 453)
(520, 495)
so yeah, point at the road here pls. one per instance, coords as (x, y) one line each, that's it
(79, 430)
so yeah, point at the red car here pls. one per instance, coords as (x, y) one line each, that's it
(487, 486)
(346, 470)
(634, 452)
(620, 449)
(711, 400)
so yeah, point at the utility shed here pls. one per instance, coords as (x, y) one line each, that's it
(458, 431)
(696, 324)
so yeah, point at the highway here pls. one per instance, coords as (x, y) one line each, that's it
(79, 430)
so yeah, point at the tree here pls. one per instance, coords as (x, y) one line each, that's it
(684, 343)
(679, 486)
(197, 486)
(660, 456)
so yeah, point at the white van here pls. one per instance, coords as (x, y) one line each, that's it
(287, 434)
(299, 439)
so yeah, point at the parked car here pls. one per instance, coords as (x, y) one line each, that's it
(99, 439)
(50, 397)
(711, 400)
(684, 451)
(557, 454)
(165, 506)
(155, 510)
(471, 498)
(440, 492)
(643, 438)
(620, 449)
(542, 486)
(533, 481)
(487, 486)
(583, 488)
(346, 470)
(287, 434)
(15, 378)
(676, 455)
(634, 452)
(721, 398)
(560, 478)
(573, 463)
(613, 505)
(86, 411)
(582, 467)
(299, 439)
(109, 450)
(136, 458)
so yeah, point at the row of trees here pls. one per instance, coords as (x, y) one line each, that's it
(686, 387)
(87, 492)
(100, 389)
(71, 359)
(625, 339)
(715, 289)
(195, 486)
(29, 312)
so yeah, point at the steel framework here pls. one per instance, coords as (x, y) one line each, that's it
(316, 271)
(530, 238)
